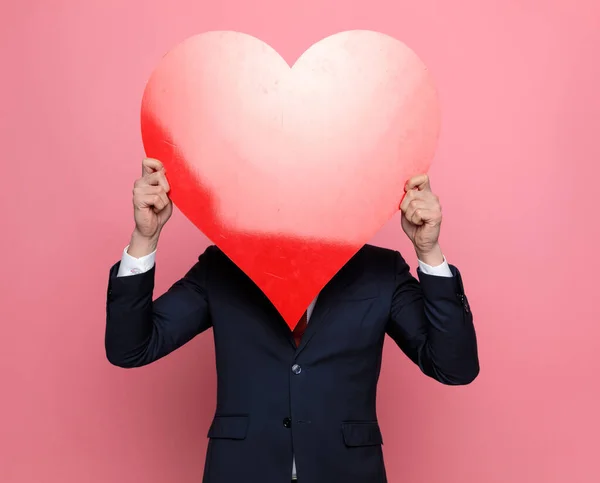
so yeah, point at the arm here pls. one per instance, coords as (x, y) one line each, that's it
(140, 331)
(432, 323)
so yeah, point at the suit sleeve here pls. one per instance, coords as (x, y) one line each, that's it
(432, 323)
(139, 330)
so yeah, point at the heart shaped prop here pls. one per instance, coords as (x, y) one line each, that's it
(290, 171)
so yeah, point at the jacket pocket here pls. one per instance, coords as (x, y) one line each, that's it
(229, 427)
(365, 433)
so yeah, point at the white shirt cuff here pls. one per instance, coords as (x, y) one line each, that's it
(442, 270)
(134, 266)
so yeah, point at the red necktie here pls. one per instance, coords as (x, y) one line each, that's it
(300, 328)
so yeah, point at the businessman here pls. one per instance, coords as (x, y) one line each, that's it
(295, 405)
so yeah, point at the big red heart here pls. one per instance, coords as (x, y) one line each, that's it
(290, 171)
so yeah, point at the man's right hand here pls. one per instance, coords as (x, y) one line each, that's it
(152, 208)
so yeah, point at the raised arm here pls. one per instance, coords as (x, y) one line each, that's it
(431, 321)
(138, 329)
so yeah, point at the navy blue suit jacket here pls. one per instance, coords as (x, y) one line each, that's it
(316, 401)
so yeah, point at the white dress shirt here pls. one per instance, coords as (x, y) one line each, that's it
(133, 266)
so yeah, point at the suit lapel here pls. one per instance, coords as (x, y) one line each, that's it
(332, 292)
(268, 314)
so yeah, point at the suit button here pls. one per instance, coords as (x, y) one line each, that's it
(296, 369)
(287, 422)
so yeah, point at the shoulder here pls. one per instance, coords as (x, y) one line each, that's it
(375, 254)
(218, 262)
(373, 262)
(215, 256)
(212, 251)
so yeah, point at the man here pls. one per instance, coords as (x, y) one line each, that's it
(302, 404)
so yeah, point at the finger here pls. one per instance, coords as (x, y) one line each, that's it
(414, 216)
(413, 206)
(156, 202)
(414, 195)
(164, 202)
(416, 219)
(143, 195)
(420, 182)
(150, 165)
(157, 178)
(419, 216)
(408, 197)
(424, 215)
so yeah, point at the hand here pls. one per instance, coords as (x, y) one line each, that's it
(422, 219)
(152, 208)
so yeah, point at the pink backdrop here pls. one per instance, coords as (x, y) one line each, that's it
(515, 170)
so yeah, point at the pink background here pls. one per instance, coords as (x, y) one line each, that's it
(516, 171)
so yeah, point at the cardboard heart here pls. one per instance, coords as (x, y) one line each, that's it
(290, 171)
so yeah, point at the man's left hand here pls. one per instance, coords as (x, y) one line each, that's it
(422, 219)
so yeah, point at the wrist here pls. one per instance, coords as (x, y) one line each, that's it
(141, 245)
(432, 257)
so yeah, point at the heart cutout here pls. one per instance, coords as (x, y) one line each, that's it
(290, 171)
